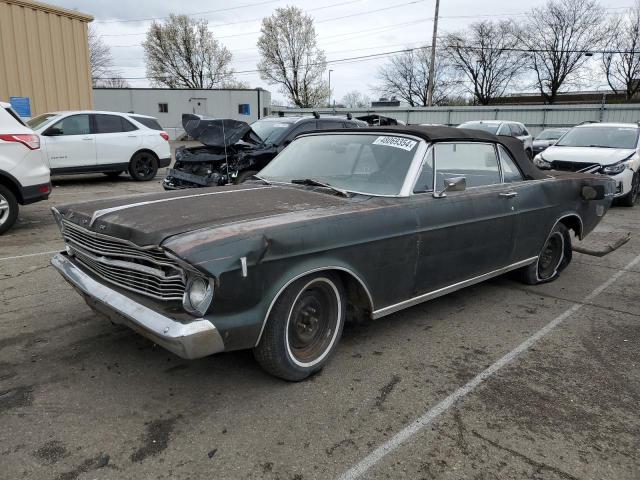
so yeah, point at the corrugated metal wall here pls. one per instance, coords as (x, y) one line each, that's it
(44, 55)
(535, 117)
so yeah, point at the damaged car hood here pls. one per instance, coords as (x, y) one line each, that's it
(151, 219)
(218, 132)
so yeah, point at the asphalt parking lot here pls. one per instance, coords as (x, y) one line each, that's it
(82, 399)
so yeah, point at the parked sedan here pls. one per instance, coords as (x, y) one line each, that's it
(546, 138)
(340, 225)
(107, 142)
(502, 127)
(611, 149)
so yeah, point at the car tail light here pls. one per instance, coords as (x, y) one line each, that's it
(29, 140)
(165, 135)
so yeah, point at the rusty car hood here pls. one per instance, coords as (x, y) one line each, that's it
(151, 219)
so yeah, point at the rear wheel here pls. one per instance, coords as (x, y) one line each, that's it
(8, 209)
(244, 176)
(630, 199)
(555, 256)
(303, 328)
(143, 166)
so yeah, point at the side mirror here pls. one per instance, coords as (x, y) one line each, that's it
(595, 192)
(52, 132)
(456, 184)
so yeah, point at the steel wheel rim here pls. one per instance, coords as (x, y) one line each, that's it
(4, 209)
(313, 322)
(551, 256)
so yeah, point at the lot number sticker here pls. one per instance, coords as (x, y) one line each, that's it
(396, 142)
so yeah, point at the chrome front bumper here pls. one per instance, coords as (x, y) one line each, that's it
(195, 339)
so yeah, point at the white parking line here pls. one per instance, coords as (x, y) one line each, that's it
(30, 255)
(360, 468)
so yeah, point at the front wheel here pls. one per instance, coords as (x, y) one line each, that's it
(554, 257)
(8, 209)
(303, 328)
(630, 199)
(143, 166)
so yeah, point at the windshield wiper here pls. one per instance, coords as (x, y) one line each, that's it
(316, 183)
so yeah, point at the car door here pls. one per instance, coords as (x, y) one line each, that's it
(532, 205)
(117, 139)
(463, 234)
(70, 144)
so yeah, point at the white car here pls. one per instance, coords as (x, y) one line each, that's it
(504, 127)
(24, 177)
(606, 148)
(108, 142)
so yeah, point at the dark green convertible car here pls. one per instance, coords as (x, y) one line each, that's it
(340, 225)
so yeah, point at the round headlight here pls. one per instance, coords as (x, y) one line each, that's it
(198, 295)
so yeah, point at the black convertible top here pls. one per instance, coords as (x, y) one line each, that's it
(447, 134)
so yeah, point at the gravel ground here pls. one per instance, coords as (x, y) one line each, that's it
(82, 399)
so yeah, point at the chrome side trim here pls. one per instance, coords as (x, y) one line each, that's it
(99, 213)
(195, 339)
(321, 269)
(451, 288)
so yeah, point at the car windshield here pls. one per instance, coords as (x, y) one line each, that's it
(486, 127)
(271, 131)
(371, 164)
(40, 120)
(601, 136)
(551, 134)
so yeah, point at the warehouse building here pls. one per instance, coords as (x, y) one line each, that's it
(44, 58)
(168, 105)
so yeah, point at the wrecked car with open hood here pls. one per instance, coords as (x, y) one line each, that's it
(233, 151)
(342, 224)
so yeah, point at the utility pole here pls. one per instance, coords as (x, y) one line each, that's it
(432, 64)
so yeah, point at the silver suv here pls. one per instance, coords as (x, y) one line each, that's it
(504, 127)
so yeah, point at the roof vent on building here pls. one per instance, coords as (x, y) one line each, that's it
(316, 114)
(349, 116)
(281, 113)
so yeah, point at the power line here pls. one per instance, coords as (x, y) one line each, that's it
(408, 50)
(206, 12)
(339, 4)
(365, 12)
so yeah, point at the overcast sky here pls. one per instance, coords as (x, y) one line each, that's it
(368, 27)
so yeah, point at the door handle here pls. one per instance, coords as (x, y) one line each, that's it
(132, 136)
(87, 138)
(508, 194)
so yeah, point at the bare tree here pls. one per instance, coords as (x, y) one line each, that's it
(355, 99)
(406, 76)
(559, 37)
(621, 65)
(182, 52)
(290, 57)
(100, 58)
(485, 54)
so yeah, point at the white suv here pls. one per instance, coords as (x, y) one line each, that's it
(606, 148)
(503, 127)
(24, 177)
(108, 142)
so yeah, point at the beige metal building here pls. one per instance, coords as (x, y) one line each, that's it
(44, 55)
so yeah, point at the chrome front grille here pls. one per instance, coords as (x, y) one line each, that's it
(147, 271)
